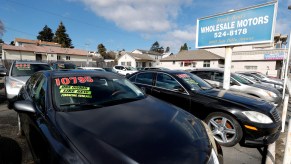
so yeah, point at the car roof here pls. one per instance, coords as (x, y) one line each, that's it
(165, 71)
(77, 72)
(29, 62)
(208, 69)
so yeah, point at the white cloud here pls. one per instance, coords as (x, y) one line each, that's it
(176, 38)
(138, 15)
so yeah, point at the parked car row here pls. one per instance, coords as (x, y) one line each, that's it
(87, 116)
(233, 117)
(81, 115)
(240, 84)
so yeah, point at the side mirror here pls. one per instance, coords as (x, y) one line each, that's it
(24, 106)
(2, 74)
(215, 86)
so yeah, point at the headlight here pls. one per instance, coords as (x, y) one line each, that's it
(15, 84)
(213, 158)
(257, 117)
(272, 94)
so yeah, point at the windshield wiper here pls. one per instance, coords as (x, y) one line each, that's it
(83, 104)
(121, 100)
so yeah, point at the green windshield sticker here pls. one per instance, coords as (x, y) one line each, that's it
(75, 91)
(191, 81)
(75, 95)
(74, 87)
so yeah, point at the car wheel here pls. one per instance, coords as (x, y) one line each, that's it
(10, 151)
(225, 129)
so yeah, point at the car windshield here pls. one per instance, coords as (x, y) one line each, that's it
(195, 82)
(246, 78)
(260, 75)
(25, 69)
(131, 69)
(65, 66)
(240, 80)
(90, 92)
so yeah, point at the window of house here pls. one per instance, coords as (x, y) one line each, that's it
(181, 64)
(194, 64)
(128, 63)
(68, 57)
(174, 62)
(122, 63)
(251, 67)
(206, 63)
(58, 57)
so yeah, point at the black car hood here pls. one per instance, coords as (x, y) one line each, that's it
(143, 131)
(239, 99)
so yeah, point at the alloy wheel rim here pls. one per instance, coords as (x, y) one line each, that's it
(223, 129)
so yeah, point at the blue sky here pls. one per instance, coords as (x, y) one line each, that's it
(121, 24)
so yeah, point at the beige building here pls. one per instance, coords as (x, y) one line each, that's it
(135, 60)
(42, 51)
(266, 59)
(192, 59)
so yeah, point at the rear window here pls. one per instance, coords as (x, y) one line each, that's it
(28, 69)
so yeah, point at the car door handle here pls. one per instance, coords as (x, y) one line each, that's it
(156, 90)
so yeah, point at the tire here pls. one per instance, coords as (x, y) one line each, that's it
(10, 151)
(226, 134)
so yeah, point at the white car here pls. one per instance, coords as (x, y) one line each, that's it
(92, 68)
(124, 70)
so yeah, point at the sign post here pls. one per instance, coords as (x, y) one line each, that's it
(252, 25)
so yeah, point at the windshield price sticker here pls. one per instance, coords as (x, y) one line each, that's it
(76, 95)
(75, 91)
(73, 80)
(182, 76)
(22, 66)
(74, 87)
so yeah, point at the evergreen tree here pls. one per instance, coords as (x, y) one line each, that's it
(155, 47)
(102, 50)
(46, 34)
(2, 28)
(167, 49)
(62, 37)
(12, 43)
(184, 47)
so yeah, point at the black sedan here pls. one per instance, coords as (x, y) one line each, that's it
(80, 116)
(232, 117)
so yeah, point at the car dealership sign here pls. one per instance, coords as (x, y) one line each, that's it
(252, 25)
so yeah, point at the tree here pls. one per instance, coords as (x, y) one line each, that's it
(2, 28)
(184, 47)
(167, 49)
(12, 43)
(1, 41)
(161, 50)
(102, 50)
(155, 47)
(62, 37)
(46, 34)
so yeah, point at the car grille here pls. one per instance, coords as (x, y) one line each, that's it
(275, 115)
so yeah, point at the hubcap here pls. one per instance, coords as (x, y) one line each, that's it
(223, 129)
